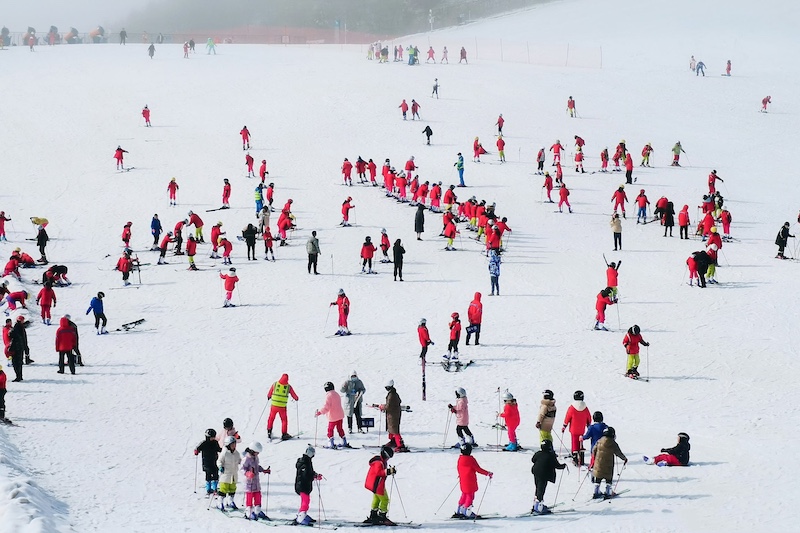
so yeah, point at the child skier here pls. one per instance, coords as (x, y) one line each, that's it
(333, 408)
(603, 460)
(563, 195)
(230, 279)
(252, 469)
(578, 419)
(455, 335)
(228, 464)
(146, 115)
(468, 470)
(268, 244)
(545, 463)
(603, 300)
(612, 278)
(367, 252)
(385, 247)
(548, 185)
(594, 432)
(210, 449)
(346, 207)
(461, 410)
(678, 455)
(632, 340)
(304, 484)
(642, 202)
(424, 337)
(547, 416)
(343, 303)
(510, 415)
(228, 431)
(379, 471)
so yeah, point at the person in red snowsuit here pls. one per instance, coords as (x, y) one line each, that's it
(579, 160)
(726, 218)
(262, 170)
(46, 299)
(556, 149)
(367, 253)
(571, 107)
(343, 304)
(501, 147)
(604, 160)
(126, 234)
(119, 156)
(616, 157)
(270, 195)
(499, 124)
(540, 161)
(661, 206)
(226, 194)
(548, 185)
(612, 278)
(415, 110)
(347, 169)
(476, 150)
(3, 221)
(66, 344)
(268, 244)
(400, 184)
(410, 167)
(449, 197)
(430, 55)
(178, 233)
(510, 416)
(559, 174)
(378, 473)
(712, 182)
(563, 194)
(424, 337)
(163, 248)
(708, 223)
(346, 207)
(468, 470)
(578, 418)
(421, 193)
(227, 247)
(12, 267)
(172, 187)
(579, 142)
(628, 168)
(230, 280)
(146, 115)
(619, 198)
(278, 396)
(197, 222)
(492, 239)
(373, 171)
(361, 170)
(125, 265)
(765, 102)
(683, 222)
(191, 251)
(248, 161)
(385, 245)
(691, 264)
(404, 108)
(603, 300)
(475, 317)
(435, 195)
(455, 336)
(245, 133)
(642, 202)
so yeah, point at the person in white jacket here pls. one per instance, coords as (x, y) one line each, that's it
(228, 464)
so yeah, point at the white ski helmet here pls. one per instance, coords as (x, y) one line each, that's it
(310, 451)
(389, 383)
(341, 291)
(230, 439)
(422, 321)
(461, 392)
(256, 447)
(508, 397)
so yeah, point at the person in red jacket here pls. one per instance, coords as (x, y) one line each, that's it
(379, 471)
(642, 202)
(616, 157)
(119, 156)
(216, 233)
(347, 169)
(415, 109)
(571, 107)
(579, 160)
(548, 186)
(619, 198)
(404, 108)
(125, 265)
(510, 416)
(646, 151)
(578, 418)
(343, 304)
(248, 161)
(3, 220)
(559, 174)
(475, 317)
(230, 280)
(450, 233)
(178, 234)
(262, 170)
(361, 170)
(226, 194)
(628, 168)
(726, 218)
(708, 223)
(501, 147)
(765, 102)
(126, 234)
(499, 124)
(424, 337)
(556, 149)
(146, 115)
(346, 207)
(3, 380)
(691, 264)
(604, 160)
(227, 248)
(163, 247)
(563, 194)
(684, 222)
(385, 245)
(603, 300)
(455, 336)
(172, 187)
(270, 195)
(367, 253)
(12, 267)
(476, 150)
(191, 251)
(373, 171)
(197, 222)
(661, 206)
(612, 278)
(245, 133)
(268, 244)
(66, 344)
(712, 182)
(468, 470)
(633, 338)
(420, 194)
(411, 166)
(46, 299)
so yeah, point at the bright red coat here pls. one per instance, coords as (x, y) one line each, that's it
(46, 297)
(708, 222)
(563, 192)
(455, 330)
(500, 122)
(165, 241)
(191, 247)
(556, 148)
(449, 197)
(3, 380)
(248, 160)
(262, 170)
(373, 170)
(178, 228)
(612, 277)
(124, 264)
(230, 281)
(662, 203)
(245, 133)
(424, 335)
(578, 157)
(501, 144)
(602, 302)
(492, 240)
(347, 168)
(631, 343)
(403, 107)
(66, 337)
(475, 311)
(126, 234)
(216, 231)
(385, 242)
(195, 220)
(361, 166)
(511, 414)
(450, 230)
(683, 216)
(628, 162)
(367, 250)
(346, 207)
(146, 114)
(410, 167)
(620, 197)
(579, 141)
(468, 469)
(578, 421)
(715, 238)
(376, 476)
(642, 200)
(226, 246)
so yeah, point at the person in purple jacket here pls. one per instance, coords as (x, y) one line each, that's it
(252, 484)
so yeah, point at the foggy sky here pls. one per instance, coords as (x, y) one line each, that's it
(17, 15)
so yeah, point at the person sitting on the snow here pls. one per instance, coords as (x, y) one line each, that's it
(678, 455)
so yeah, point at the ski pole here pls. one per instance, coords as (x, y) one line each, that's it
(497, 418)
(316, 426)
(297, 415)
(560, 440)
(558, 487)
(727, 263)
(399, 497)
(333, 272)
(619, 321)
(355, 216)
(478, 510)
(647, 362)
(614, 490)
(266, 507)
(581, 485)
(561, 447)
(327, 317)
(448, 495)
(264, 410)
(211, 501)
(321, 505)
(196, 457)
(447, 428)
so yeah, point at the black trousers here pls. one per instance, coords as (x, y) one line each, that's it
(16, 362)
(100, 317)
(398, 270)
(618, 241)
(541, 487)
(312, 262)
(70, 361)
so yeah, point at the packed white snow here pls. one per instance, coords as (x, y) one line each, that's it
(110, 449)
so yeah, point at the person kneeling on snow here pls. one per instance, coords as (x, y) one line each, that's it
(678, 455)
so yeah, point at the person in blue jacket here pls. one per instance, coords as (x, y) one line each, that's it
(594, 432)
(155, 229)
(700, 69)
(100, 321)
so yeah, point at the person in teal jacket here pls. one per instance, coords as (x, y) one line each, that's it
(211, 47)
(460, 167)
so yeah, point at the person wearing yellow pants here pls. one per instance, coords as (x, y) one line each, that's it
(631, 342)
(379, 471)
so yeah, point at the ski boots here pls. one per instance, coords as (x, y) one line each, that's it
(286, 436)
(511, 447)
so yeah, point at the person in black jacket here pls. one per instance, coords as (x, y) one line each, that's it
(18, 347)
(419, 221)
(41, 242)
(428, 131)
(545, 464)
(782, 239)
(678, 455)
(210, 449)
(669, 218)
(398, 251)
(304, 484)
(702, 261)
(249, 234)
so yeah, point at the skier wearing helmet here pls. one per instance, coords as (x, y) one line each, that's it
(510, 416)
(633, 338)
(333, 408)
(393, 409)
(210, 449)
(228, 464)
(578, 419)
(603, 454)
(252, 468)
(678, 455)
(424, 337)
(545, 463)
(379, 471)
(468, 468)
(461, 410)
(547, 416)
(346, 207)
(455, 335)
(228, 431)
(343, 303)
(230, 279)
(304, 484)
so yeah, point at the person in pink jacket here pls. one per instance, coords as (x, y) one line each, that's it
(333, 408)
(510, 415)
(230, 279)
(578, 418)
(461, 410)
